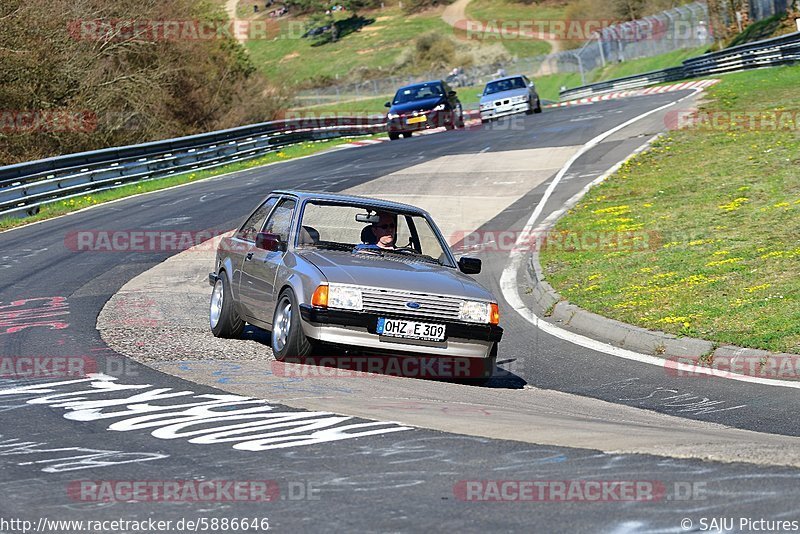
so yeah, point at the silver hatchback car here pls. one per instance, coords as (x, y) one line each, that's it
(507, 96)
(325, 269)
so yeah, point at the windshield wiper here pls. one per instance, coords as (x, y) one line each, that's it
(329, 245)
(415, 254)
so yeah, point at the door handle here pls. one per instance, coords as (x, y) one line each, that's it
(249, 256)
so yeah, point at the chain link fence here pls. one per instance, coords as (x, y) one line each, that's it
(762, 9)
(683, 27)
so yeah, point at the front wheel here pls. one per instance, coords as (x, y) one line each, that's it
(288, 338)
(460, 119)
(538, 108)
(225, 322)
(394, 136)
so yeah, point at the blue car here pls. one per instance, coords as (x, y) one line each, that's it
(423, 106)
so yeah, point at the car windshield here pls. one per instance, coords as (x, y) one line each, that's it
(422, 91)
(368, 230)
(504, 85)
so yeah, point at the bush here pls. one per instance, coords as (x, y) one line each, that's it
(139, 88)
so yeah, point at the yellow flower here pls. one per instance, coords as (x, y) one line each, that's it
(723, 262)
(753, 289)
(613, 210)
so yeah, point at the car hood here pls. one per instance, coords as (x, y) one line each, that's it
(503, 95)
(401, 275)
(416, 105)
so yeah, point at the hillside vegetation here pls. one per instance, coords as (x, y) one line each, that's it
(105, 89)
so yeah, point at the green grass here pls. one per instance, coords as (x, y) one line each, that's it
(647, 64)
(721, 210)
(62, 207)
(291, 59)
(509, 11)
(549, 87)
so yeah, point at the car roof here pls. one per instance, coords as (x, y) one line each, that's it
(506, 78)
(440, 82)
(354, 199)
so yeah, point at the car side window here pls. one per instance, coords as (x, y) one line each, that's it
(254, 224)
(280, 222)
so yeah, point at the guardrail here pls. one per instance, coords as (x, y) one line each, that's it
(26, 186)
(773, 52)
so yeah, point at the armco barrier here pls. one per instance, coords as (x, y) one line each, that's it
(773, 52)
(26, 186)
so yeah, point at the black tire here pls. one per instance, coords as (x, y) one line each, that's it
(530, 110)
(288, 338)
(460, 119)
(228, 324)
(538, 108)
(394, 136)
(407, 134)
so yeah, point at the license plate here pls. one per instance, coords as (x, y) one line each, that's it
(415, 120)
(410, 329)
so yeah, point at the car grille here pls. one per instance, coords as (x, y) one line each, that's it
(498, 103)
(430, 306)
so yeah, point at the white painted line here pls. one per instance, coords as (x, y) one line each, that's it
(510, 288)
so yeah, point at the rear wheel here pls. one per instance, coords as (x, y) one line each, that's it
(406, 134)
(224, 320)
(288, 338)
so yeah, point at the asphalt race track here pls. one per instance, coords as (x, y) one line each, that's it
(392, 477)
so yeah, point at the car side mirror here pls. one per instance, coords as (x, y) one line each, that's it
(451, 94)
(469, 265)
(387, 105)
(269, 242)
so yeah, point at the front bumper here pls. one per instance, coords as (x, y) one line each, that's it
(502, 111)
(434, 119)
(359, 329)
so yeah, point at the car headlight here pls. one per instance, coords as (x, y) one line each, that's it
(345, 297)
(440, 107)
(392, 116)
(479, 312)
(518, 99)
(486, 106)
